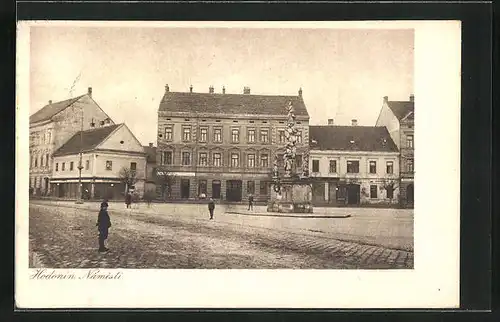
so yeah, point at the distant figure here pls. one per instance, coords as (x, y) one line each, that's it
(250, 202)
(103, 224)
(128, 199)
(211, 207)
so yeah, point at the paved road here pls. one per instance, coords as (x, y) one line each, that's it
(62, 236)
(390, 228)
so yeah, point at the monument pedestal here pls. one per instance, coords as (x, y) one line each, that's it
(295, 197)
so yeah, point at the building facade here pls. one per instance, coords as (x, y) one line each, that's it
(223, 145)
(105, 152)
(353, 165)
(399, 119)
(51, 127)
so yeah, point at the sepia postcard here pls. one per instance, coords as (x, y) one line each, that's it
(237, 164)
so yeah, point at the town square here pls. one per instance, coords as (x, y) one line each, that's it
(168, 170)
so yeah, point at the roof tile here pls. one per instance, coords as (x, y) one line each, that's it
(231, 103)
(402, 108)
(89, 140)
(48, 111)
(351, 138)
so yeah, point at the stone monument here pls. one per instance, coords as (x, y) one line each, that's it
(291, 193)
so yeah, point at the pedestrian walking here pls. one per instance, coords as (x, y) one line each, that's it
(211, 208)
(103, 224)
(128, 199)
(250, 202)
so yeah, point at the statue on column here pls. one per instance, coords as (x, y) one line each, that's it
(305, 165)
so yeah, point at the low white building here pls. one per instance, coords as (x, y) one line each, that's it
(353, 165)
(105, 152)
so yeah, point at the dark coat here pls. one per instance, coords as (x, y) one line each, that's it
(250, 198)
(211, 205)
(103, 220)
(128, 199)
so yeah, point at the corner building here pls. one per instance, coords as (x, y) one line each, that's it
(399, 119)
(223, 145)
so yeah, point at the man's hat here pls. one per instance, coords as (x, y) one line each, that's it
(104, 204)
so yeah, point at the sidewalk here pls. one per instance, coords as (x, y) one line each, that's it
(391, 228)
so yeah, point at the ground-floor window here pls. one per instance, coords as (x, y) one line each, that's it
(390, 192)
(202, 188)
(373, 191)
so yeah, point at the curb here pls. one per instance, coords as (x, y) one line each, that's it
(287, 215)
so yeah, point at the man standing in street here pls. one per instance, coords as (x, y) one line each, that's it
(211, 207)
(250, 202)
(128, 199)
(103, 224)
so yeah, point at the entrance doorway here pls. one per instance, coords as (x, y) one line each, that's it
(216, 189)
(233, 190)
(409, 193)
(318, 192)
(332, 192)
(184, 188)
(353, 194)
(60, 189)
(46, 185)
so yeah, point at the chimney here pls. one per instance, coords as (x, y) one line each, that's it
(150, 145)
(300, 92)
(223, 90)
(330, 121)
(50, 102)
(89, 92)
(191, 88)
(211, 89)
(386, 99)
(412, 98)
(167, 89)
(354, 122)
(246, 90)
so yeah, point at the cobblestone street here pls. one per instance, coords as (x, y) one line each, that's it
(63, 235)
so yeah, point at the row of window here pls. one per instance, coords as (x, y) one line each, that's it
(41, 138)
(217, 159)
(250, 188)
(263, 135)
(353, 166)
(109, 165)
(44, 161)
(374, 192)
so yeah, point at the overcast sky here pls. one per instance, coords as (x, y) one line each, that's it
(344, 74)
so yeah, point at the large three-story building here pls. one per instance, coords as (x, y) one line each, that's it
(223, 145)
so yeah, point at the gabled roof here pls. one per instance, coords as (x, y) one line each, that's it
(48, 111)
(150, 153)
(89, 140)
(401, 109)
(351, 138)
(231, 103)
